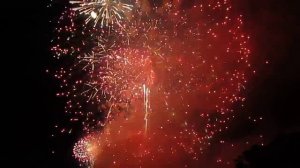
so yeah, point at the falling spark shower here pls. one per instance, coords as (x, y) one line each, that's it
(151, 84)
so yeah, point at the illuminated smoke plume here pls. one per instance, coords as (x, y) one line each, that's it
(154, 91)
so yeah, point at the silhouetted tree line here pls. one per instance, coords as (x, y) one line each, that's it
(283, 152)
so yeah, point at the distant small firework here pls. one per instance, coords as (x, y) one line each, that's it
(105, 12)
(85, 150)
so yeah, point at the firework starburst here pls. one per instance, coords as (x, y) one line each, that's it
(103, 12)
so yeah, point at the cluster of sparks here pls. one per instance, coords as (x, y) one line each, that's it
(149, 81)
(85, 149)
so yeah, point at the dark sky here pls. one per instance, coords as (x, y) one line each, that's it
(31, 109)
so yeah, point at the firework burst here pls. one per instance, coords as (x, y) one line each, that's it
(85, 150)
(104, 12)
(166, 80)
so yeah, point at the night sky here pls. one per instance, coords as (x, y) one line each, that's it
(31, 108)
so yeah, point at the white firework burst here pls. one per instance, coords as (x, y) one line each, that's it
(85, 150)
(103, 12)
